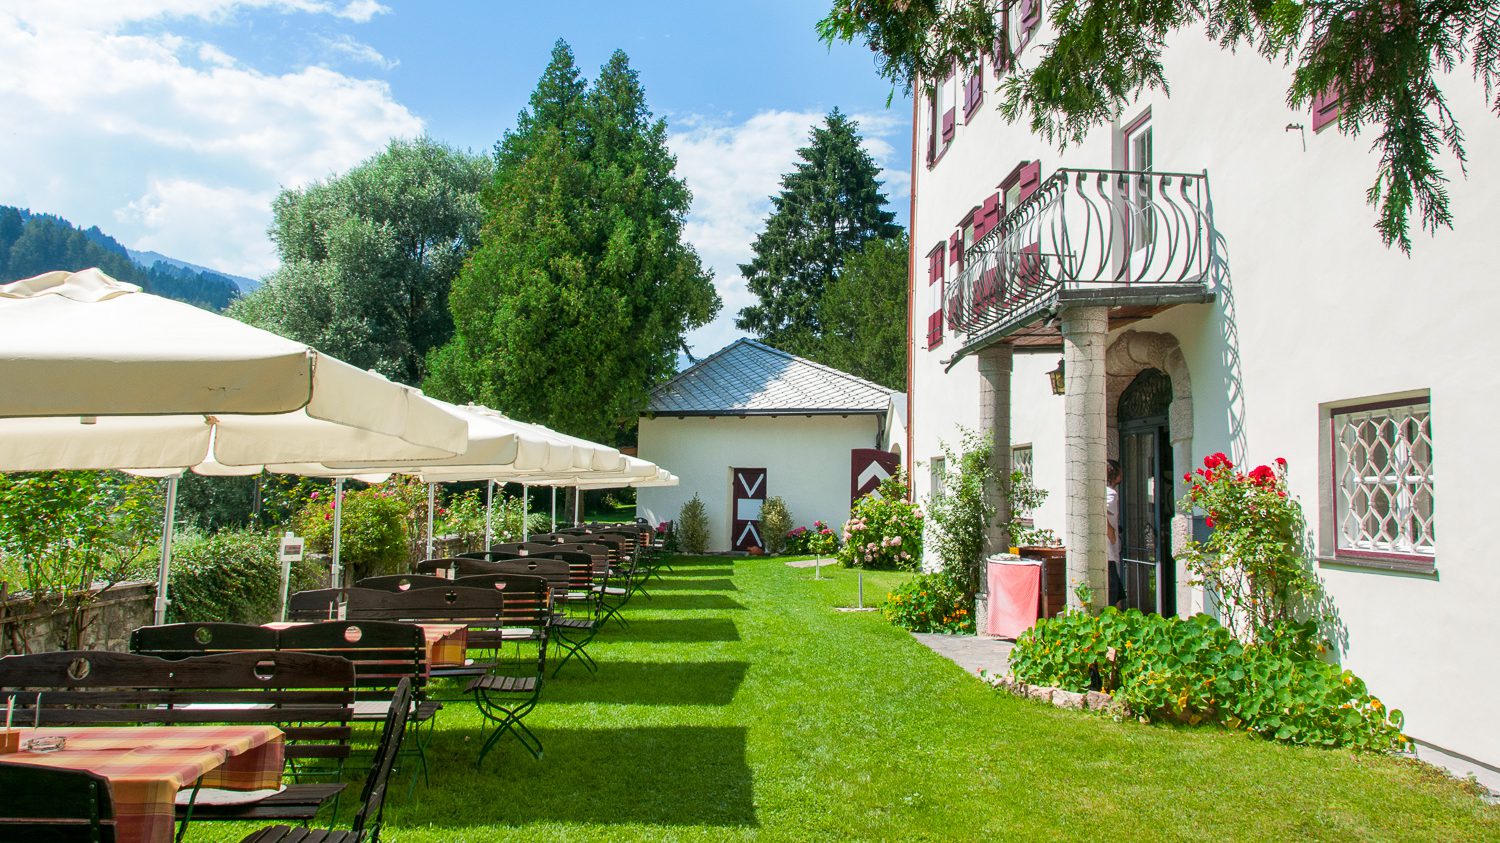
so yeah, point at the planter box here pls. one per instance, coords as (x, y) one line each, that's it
(1054, 593)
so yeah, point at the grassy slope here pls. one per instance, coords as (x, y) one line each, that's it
(740, 706)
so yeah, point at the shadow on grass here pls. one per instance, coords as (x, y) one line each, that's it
(674, 630)
(685, 601)
(702, 584)
(652, 683)
(681, 775)
(692, 574)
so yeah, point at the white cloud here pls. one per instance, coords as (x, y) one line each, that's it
(733, 170)
(138, 128)
(358, 51)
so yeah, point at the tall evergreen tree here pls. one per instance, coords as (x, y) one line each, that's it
(829, 205)
(579, 295)
(367, 258)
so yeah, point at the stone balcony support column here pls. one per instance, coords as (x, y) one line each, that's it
(1085, 330)
(995, 364)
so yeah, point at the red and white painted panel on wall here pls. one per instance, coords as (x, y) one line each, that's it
(748, 495)
(868, 467)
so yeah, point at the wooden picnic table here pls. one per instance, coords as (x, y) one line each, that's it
(447, 643)
(147, 765)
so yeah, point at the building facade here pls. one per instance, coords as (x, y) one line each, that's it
(751, 422)
(1207, 274)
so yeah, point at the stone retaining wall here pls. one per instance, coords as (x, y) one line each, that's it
(107, 622)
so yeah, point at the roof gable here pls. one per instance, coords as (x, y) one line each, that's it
(750, 378)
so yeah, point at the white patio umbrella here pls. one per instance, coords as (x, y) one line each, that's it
(95, 374)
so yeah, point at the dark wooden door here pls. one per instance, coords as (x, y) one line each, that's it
(748, 494)
(867, 468)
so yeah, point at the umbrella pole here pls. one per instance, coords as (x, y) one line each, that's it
(525, 512)
(577, 498)
(166, 551)
(338, 523)
(431, 502)
(553, 490)
(489, 502)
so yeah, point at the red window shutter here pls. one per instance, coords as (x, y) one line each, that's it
(948, 122)
(973, 92)
(1325, 108)
(955, 248)
(989, 214)
(935, 329)
(1031, 179)
(1029, 17)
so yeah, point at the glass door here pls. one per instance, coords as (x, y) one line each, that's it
(1146, 504)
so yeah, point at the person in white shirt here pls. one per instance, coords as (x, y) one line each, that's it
(1112, 526)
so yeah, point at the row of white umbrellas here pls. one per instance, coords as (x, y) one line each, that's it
(95, 374)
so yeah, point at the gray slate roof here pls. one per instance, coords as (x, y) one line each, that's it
(750, 378)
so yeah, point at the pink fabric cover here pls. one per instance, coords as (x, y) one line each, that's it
(1014, 592)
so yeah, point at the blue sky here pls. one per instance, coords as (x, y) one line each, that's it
(173, 123)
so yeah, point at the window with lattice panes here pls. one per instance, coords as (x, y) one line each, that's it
(937, 475)
(1383, 480)
(1020, 459)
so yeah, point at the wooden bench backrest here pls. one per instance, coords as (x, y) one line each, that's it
(185, 640)
(381, 653)
(403, 582)
(91, 687)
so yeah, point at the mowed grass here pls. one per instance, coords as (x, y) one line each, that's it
(740, 706)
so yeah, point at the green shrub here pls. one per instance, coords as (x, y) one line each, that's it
(1194, 670)
(692, 527)
(374, 537)
(232, 576)
(884, 530)
(775, 524)
(960, 510)
(929, 603)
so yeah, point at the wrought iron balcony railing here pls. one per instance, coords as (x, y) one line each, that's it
(1092, 235)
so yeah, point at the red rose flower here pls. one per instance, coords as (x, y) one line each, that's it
(1263, 474)
(1281, 462)
(1209, 521)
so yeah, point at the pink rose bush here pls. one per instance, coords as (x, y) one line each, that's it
(884, 530)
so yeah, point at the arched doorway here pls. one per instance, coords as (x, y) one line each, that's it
(1146, 500)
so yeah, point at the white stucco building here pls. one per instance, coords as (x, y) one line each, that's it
(1207, 270)
(750, 422)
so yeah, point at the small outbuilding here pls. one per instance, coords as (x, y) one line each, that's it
(751, 422)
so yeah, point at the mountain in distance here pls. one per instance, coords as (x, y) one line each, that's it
(148, 259)
(33, 243)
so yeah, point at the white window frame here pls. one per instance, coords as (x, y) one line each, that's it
(1382, 487)
(937, 475)
(1140, 157)
(1022, 458)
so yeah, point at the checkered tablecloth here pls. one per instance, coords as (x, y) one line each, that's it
(147, 766)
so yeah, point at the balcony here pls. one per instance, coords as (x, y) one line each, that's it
(1137, 242)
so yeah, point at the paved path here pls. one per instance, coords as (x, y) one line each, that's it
(971, 652)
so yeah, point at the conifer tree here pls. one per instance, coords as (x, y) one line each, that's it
(863, 312)
(828, 207)
(579, 295)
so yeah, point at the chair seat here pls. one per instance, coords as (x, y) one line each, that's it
(504, 684)
(293, 802)
(367, 710)
(573, 623)
(299, 834)
(610, 589)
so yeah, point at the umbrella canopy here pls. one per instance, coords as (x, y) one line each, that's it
(96, 374)
(662, 478)
(495, 443)
(634, 470)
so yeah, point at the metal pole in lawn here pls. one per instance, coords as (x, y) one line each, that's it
(553, 490)
(577, 504)
(489, 503)
(431, 503)
(166, 551)
(338, 523)
(525, 512)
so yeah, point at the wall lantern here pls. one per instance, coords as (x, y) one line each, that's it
(1059, 386)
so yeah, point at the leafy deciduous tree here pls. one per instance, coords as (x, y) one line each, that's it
(367, 258)
(863, 312)
(1383, 59)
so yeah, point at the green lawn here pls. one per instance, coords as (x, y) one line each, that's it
(739, 705)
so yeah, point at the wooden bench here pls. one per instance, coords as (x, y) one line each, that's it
(310, 697)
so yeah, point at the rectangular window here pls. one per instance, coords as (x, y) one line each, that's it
(973, 91)
(935, 261)
(932, 127)
(1383, 491)
(1020, 459)
(945, 111)
(937, 475)
(1139, 159)
(1028, 20)
(1325, 109)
